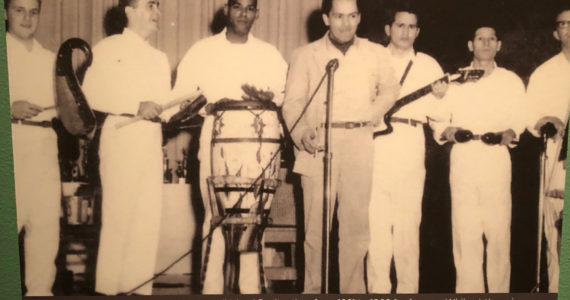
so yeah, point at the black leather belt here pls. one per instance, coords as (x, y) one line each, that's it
(349, 125)
(44, 124)
(489, 138)
(410, 122)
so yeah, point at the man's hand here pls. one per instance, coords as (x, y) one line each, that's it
(509, 136)
(439, 88)
(253, 94)
(149, 110)
(449, 134)
(309, 140)
(557, 123)
(23, 109)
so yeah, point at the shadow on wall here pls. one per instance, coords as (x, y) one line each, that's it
(315, 26)
(219, 22)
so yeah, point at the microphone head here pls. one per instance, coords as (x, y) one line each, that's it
(332, 65)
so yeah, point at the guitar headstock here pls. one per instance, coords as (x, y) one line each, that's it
(466, 74)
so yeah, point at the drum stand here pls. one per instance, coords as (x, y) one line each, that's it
(243, 232)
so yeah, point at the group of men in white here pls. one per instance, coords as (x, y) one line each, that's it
(379, 204)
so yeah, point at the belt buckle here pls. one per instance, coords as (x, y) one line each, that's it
(351, 125)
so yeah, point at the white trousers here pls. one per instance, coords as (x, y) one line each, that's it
(249, 278)
(396, 209)
(131, 179)
(38, 203)
(480, 178)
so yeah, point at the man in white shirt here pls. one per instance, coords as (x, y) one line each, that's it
(399, 164)
(36, 168)
(364, 88)
(129, 77)
(548, 94)
(479, 118)
(219, 66)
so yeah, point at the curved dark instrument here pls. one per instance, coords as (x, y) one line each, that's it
(187, 117)
(462, 75)
(74, 111)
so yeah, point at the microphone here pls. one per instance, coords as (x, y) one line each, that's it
(332, 65)
(548, 130)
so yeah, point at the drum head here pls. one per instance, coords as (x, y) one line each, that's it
(228, 104)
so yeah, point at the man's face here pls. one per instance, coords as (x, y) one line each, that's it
(23, 17)
(144, 16)
(404, 31)
(343, 20)
(241, 15)
(562, 32)
(485, 44)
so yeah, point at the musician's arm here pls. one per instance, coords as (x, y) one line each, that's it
(188, 73)
(540, 105)
(388, 86)
(296, 96)
(22, 109)
(104, 85)
(439, 88)
(440, 118)
(514, 111)
(279, 79)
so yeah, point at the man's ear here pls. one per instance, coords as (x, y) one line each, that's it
(556, 35)
(499, 45)
(470, 46)
(326, 20)
(387, 30)
(129, 11)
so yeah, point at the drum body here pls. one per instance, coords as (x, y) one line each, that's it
(245, 161)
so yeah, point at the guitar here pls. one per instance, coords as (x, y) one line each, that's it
(461, 76)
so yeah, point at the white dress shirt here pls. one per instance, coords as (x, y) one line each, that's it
(21, 64)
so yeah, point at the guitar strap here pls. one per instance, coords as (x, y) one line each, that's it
(406, 72)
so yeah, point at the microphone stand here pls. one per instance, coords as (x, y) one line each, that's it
(327, 178)
(542, 189)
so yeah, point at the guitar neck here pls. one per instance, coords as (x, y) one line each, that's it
(413, 96)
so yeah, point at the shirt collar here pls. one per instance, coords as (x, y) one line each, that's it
(330, 46)
(133, 36)
(410, 55)
(15, 44)
(222, 35)
(473, 67)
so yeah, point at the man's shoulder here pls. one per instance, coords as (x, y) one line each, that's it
(366, 44)
(266, 47)
(509, 76)
(426, 58)
(43, 51)
(552, 63)
(109, 43)
(312, 46)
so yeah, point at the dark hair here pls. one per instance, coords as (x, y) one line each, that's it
(487, 24)
(125, 3)
(230, 2)
(116, 20)
(326, 6)
(401, 6)
(559, 11)
(7, 4)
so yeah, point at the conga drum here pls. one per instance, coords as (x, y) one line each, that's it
(245, 162)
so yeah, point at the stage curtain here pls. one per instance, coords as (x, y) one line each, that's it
(282, 23)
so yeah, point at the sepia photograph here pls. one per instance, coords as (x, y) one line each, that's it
(288, 147)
